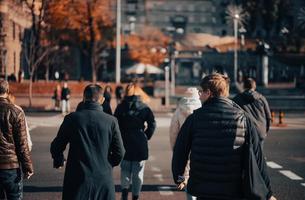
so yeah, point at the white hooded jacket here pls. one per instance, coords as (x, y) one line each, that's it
(185, 107)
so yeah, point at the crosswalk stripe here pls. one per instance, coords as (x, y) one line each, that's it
(274, 165)
(165, 190)
(303, 184)
(290, 175)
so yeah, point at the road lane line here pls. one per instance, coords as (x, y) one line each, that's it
(274, 165)
(31, 127)
(155, 169)
(165, 190)
(151, 158)
(159, 177)
(303, 184)
(290, 175)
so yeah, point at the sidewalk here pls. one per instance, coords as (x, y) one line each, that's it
(45, 104)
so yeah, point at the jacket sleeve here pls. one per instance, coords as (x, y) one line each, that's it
(260, 158)
(60, 142)
(182, 148)
(174, 129)
(21, 143)
(116, 149)
(151, 124)
(267, 113)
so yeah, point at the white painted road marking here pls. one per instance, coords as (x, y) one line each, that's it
(274, 165)
(31, 127)
(303, 184)
(290, 175)
(166, 190)
(155, 169)
(159, 177)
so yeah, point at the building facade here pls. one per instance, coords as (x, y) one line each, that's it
(14, 19)
(192, 16)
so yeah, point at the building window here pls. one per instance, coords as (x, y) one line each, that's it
(14, 62)
(191, 8)
(131, 8)
(14, 30)
(191, 19)
(203, 20)
(178, 8)
(20, 33)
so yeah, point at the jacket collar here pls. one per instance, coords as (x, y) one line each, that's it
(214, 100)
(2, 99)
(132, 98)
(89, 105)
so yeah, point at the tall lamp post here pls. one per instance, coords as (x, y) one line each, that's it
(235, 21)
(171, 52)
(236, 14)
(118, 44)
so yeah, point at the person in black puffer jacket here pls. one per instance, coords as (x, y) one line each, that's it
(214, 137)
(256, 105)
(132, 114)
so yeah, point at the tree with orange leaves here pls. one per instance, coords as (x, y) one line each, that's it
(86, 22)
(149, 46)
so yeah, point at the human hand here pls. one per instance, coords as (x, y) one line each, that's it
(59, 163)
(272, 198)
(27, 175)
(181, 185)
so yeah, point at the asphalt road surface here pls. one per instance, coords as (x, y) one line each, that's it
(284, 149)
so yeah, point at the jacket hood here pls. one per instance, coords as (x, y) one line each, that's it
(251, 95)
(188, 104)
(133, 102)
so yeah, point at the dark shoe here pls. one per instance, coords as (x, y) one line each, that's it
(135, 197)
(124, 194)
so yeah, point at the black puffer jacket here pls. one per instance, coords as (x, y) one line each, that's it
(214, 134)
(132, 115)
(256, 105)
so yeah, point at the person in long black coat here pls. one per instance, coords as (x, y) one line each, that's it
(132, 114)
(95, 148)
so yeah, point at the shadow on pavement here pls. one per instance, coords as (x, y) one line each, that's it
(145, 188)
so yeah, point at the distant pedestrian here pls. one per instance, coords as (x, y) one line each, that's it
(215, 133)
(256, 105)
(119, 93)
(186, 106)
(14, 150)
(108, 94)
(95, 148)
(132, 114)
(57, 97)
(65, 99)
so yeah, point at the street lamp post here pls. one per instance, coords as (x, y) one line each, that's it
(118, 44)
(235, 21)
(171, 52)
(166, 86)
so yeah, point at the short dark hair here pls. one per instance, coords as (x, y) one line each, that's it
(249, 84)
(93, 92)
(4, 87)
(218, 84)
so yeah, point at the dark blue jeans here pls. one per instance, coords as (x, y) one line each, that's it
(11, 184)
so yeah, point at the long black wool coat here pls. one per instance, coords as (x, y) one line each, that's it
(95, 147)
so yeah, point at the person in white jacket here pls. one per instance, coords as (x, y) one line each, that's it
(186, 106)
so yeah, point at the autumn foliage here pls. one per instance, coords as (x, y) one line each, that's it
(148, 46)
(80, 16)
